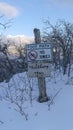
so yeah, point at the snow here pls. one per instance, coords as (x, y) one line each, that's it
(56, 114)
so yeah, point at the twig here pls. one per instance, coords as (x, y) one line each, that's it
(51, 102)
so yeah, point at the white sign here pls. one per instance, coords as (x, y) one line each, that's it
(39, 52)
(39, 69)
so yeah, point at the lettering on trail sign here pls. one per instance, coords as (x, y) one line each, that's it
(36, 69)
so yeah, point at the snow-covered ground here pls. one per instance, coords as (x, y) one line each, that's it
(56, 114)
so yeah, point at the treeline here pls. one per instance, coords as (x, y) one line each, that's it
(9, 65)
(60, 36)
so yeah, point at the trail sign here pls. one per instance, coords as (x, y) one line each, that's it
(38, 69)
(39, 52)
(38, 58)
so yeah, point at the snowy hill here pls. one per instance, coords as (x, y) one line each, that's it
(56, 114)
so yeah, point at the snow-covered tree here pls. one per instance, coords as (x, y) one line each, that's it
(61, 36)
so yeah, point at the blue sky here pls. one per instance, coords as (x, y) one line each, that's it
(28, 14)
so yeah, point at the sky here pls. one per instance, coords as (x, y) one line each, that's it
(29, 14)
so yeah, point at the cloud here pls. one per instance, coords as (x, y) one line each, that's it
(8, 10)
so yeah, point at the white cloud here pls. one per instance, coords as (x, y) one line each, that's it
(8, 10)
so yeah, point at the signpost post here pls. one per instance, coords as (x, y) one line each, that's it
(39, 56)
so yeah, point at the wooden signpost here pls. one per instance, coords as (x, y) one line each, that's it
(39, 56)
